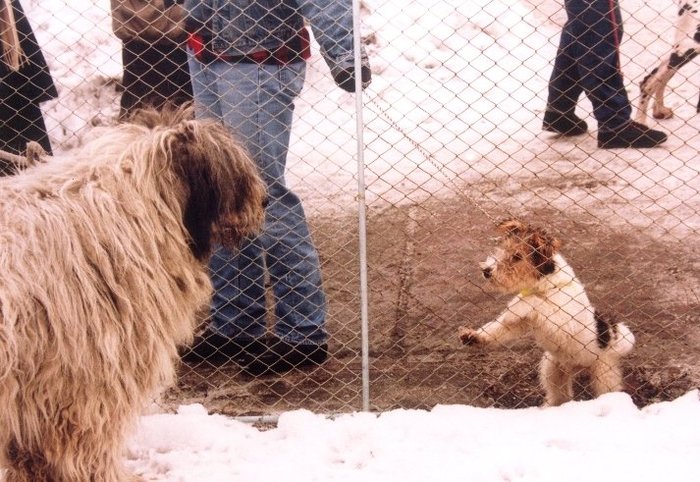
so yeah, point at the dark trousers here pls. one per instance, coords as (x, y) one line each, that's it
(21, 122)
(153, 76)
(588, 60)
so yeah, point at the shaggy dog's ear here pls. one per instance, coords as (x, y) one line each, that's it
(203, 193)
(543, 248)
(221, 184)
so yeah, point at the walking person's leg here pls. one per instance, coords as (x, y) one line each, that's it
(564, 88)
(597, 26)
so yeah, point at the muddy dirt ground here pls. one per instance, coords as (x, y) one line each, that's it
(424, 282)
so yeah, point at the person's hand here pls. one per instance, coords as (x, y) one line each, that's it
(346, 78)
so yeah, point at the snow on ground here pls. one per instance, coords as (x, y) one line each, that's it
(607, 439)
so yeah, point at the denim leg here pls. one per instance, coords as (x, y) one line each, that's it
(257, 103)
(565, 82)
(238, 303)
(595, 29)
(204, 89)
(294, 267)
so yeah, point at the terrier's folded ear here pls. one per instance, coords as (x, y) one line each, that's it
(512, 227)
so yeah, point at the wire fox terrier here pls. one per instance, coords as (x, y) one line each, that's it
(551, 305)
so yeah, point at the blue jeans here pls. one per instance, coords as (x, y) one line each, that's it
(588, 60)
(256, 102)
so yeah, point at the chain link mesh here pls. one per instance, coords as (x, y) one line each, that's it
(452, 142)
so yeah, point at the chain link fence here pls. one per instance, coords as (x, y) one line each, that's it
(449, 139)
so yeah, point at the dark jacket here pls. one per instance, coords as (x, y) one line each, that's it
(153, 53)
(32, 82)
(23, 90)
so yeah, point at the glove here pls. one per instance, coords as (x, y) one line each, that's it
(345, 78)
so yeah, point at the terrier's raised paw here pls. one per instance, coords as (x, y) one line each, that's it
(469, 337)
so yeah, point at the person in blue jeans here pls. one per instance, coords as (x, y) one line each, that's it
(248, 62)
(588, 60)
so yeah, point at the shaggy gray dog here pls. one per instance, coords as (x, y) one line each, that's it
(103, 256)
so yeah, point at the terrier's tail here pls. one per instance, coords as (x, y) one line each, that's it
(623, 339)
(613, 335)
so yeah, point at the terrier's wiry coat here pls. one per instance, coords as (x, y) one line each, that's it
(103, 256)
(551, 305)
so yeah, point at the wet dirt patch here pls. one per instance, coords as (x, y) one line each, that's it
(424, 282)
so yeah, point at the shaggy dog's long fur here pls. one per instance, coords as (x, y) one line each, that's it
(551, 306)
(102, 268)
(686, 47)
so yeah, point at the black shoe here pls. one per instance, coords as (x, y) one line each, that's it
(218, 350)
(632, 134)
(281, 357)
(565, 124)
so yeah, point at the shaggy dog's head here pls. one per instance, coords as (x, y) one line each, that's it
(524, 256)
(220, 191)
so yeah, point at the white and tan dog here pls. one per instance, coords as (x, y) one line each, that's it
(551, 305)
(103, 255)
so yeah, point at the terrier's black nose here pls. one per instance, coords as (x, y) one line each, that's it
(486, 272)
